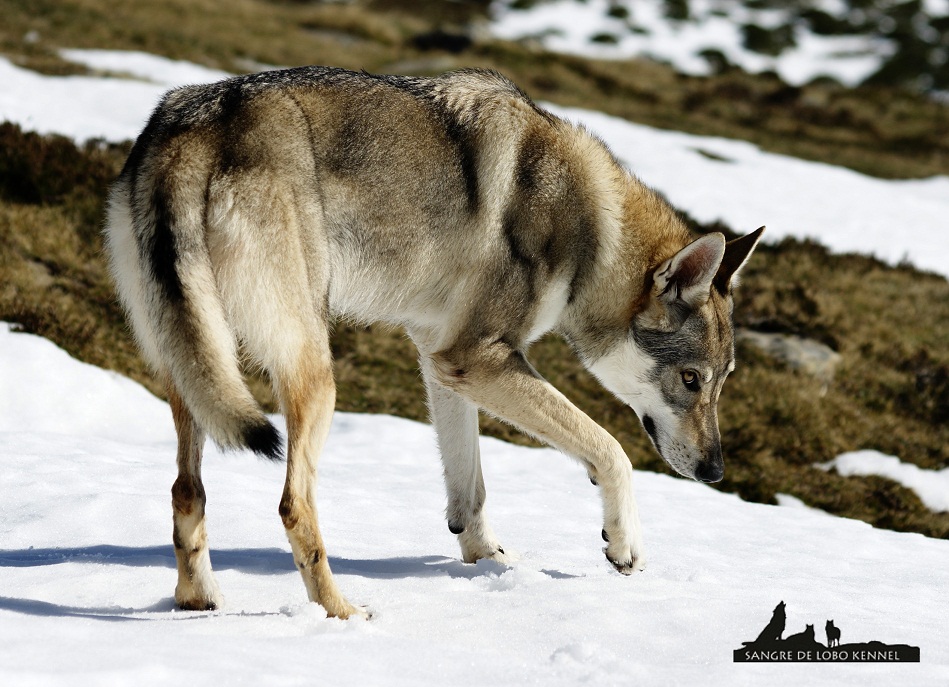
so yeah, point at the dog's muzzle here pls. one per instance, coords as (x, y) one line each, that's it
(709, 472)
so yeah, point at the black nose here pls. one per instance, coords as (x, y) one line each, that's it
(709, 472)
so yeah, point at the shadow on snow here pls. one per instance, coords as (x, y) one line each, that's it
(271, 561)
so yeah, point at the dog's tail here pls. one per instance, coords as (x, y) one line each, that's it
(161, 265)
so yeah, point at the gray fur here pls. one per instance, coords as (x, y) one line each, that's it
(258, 209)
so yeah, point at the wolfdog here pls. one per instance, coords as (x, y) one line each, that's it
(254, 212)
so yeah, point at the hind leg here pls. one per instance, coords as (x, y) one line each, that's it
(456, 424)
(273, 273)
(197, 589)
(308, 396)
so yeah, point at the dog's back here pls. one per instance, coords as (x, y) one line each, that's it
(318, 177)
(329, 172)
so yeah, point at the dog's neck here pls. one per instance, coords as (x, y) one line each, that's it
(648, 232)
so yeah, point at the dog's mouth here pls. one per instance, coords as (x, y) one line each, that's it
(650, 426)
(706, 471)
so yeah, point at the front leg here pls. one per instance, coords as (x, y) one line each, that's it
(499, 379)
(456, 424)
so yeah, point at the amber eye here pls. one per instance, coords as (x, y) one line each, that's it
(691, 380)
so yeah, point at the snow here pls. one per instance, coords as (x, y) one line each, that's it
(103, 106)
(793, 502)
(568, 25)
(87, 567)
(80, 107)
(843, 209)
(932, 486)
(153, 68)
(936, 8)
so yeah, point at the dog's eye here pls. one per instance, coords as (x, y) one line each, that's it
(691, 380)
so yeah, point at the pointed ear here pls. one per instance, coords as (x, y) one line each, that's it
(737, 253)
(684, 281)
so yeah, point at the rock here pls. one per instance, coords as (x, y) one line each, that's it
(806, 355)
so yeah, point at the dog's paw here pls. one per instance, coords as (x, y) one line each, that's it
(627, 565)
(198, 604)
(342, 609)
(478, 543)
(495, 553)
(591, 473)
(504, 558)
(625, 558)
(198, 598)
(361, 613)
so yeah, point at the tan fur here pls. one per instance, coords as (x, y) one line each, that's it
(308, 397)
(196, 589)
(253, 212)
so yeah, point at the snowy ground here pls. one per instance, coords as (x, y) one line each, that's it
(84, 107)
(572, 26)
(743, 186)
(932, 486)
(746, 187)
(87, 568)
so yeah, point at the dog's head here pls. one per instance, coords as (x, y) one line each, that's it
(679, 349)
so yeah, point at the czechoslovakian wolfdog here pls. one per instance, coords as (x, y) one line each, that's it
(256, 210)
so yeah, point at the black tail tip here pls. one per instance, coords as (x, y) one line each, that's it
(264, 440)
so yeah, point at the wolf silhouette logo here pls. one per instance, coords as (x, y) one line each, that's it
(773, 630)
(803, 646)
(833, 634)
(804, 639)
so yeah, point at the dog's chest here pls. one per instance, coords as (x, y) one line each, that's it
(549, 309)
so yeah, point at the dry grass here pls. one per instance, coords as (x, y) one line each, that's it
(890, 324)
(879, 131)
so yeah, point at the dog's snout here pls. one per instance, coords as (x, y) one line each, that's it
(709, 471)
